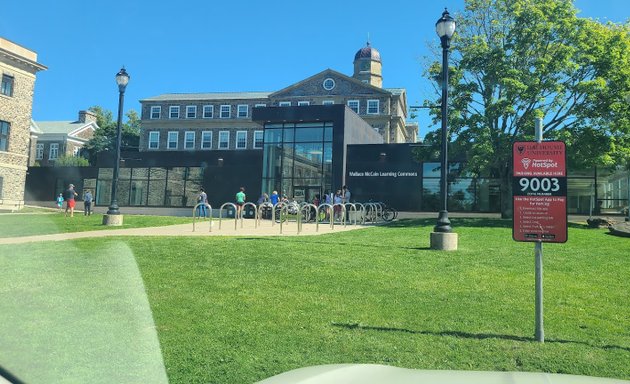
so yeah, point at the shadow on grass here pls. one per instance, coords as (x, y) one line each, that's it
(302, 240)
(478, 336)
(455, 222)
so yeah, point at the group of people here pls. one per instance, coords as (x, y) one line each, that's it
(342, 196)
(202, 201)
(69, 197)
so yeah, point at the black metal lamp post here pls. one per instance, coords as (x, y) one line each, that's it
(122, 78)
(445, 27)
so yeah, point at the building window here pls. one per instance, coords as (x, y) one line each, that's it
(206, 140)
(76, 151)
(191, 111)
(208, 111)
(39, 152)
(173, 137)
(173, 112)
(6, 88)
(224, 139)
(154, 140)
(225, 111)
(241, 139)
(258, 139)
(242, 110)
(5, 128)
(54, 151)
(189, 140)
(303, 103)
(372, 107)
(354, 105)
(260, 105)
(328, 102)
(284, 104)
(328, 84)
(156, 111)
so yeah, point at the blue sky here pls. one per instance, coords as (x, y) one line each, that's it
(211, 46)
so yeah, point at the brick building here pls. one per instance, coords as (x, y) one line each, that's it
(51, 139)
(223, 121)
(18, 68)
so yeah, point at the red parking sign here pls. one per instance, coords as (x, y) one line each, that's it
(539, 187)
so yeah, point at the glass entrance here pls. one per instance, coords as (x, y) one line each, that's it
(297, 159)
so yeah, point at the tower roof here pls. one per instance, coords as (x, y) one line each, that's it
(368, 52)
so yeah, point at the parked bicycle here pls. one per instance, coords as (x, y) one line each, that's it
(377, 210)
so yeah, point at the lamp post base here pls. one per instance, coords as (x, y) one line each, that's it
(444, 241)
(113, 220)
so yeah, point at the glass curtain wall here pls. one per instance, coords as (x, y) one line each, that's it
(297, 159)
(158, 187)
(465, 192)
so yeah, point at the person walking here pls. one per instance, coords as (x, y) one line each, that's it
(87, 203)
(240, 201)
(69, 195)
(202, 198)
(60, 201)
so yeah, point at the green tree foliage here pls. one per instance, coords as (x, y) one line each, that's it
(71, 161)
(515, 60)
(105, 136)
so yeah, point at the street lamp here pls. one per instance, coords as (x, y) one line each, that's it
(445, 27)
(442, 237)
(122, 78)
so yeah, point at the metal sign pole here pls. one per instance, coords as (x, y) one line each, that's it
(538, 253)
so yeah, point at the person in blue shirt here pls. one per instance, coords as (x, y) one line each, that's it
(60, 201)
(274, 197)
(87, 203)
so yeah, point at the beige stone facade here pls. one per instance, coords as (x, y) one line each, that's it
(18, 68)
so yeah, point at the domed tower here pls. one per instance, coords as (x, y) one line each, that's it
(367, 66)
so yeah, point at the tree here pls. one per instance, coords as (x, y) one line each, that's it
(104, 138)
(71, 161)
(516, 60)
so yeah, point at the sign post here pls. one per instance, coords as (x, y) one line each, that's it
(539, 186)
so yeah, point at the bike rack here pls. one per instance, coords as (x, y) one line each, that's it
(283, 208)
(309, 207)
(362, 207)
(369, 207)
(329, 211)
(195, 216)
(250, 204)
(260, 209)
(343, 215)
(352, 208)
(235, 214)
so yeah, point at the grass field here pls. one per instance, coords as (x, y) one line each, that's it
(47, 222)
(237, 310)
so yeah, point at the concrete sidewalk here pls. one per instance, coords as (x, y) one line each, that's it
(202, 228)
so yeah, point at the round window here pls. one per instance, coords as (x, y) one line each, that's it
(329, 84)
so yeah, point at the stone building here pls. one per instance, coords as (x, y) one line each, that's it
(207, 121)
(51, 139)
(18, 68)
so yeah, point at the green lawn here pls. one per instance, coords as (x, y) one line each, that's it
(47, 222)
(237, 310)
